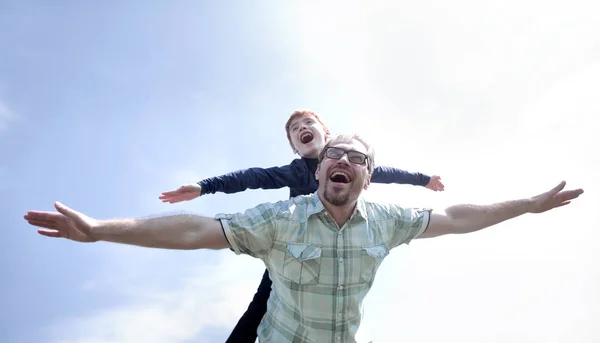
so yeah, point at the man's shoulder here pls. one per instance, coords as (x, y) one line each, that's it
(287, 204)
(376, 206)
(374, 210)
(298, 208)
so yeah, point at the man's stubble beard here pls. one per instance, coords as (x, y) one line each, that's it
(336, 199)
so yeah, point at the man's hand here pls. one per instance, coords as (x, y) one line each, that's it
(435, 184)
(183, 193)
(66, 223)
(555, 197)
(469, 218)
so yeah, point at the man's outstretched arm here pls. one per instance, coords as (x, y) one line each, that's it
(470, 218)
(183, 231)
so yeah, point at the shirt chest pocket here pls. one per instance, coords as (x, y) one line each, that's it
(371, 259)
(302, 263)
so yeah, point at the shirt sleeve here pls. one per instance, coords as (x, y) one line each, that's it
(410, 223)
(252, 232)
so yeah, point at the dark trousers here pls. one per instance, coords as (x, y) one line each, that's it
(245, 330)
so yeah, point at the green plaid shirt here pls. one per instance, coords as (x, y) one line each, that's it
(321, 273)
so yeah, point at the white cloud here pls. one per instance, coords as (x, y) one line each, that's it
(6, 116)
(214, 296)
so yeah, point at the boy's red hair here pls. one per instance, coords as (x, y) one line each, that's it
(300, 114)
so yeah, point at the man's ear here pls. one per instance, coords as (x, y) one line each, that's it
(367, 182)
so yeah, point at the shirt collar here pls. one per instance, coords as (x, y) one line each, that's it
(316, 206)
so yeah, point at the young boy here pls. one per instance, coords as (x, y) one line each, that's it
(307, 134)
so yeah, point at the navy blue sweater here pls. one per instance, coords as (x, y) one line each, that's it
(299, 176)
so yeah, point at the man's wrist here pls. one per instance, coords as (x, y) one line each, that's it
(529, 205)
(97, 230)
(109, 230)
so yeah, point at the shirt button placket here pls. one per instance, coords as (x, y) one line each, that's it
(339, 300)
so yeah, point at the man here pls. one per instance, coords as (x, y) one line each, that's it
(322, 250)
(307, 134)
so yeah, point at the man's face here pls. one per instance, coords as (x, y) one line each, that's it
(340, 180)
(308, 136)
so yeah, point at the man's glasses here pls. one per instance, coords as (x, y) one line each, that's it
(353, 155)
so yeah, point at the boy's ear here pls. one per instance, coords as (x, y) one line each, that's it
(317, 172)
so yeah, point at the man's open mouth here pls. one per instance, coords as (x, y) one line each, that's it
(306, 137)
(340, 177)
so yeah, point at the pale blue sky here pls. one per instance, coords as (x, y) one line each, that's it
(105, 105)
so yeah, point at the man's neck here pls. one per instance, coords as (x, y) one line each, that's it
(341, 214)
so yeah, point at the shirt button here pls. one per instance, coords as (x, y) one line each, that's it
(340, 287)
(341, 260)
(340, 314)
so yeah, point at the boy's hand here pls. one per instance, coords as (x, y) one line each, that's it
(435, 184)
(183, 193)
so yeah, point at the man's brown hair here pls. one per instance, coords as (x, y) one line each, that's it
(348, 139)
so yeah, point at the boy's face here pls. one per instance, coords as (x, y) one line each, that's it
(308, 136)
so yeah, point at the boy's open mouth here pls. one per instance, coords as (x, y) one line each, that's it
(306, 137)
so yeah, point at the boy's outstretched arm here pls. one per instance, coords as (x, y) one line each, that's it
(291, 175)
(383, 174)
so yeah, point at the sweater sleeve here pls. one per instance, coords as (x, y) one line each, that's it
(394, 175)
(290, 175)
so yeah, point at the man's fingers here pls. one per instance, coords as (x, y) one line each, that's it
(66, 211)
(558, 188)
(563, 203)
(44, 224)
(42, 216)
(47, 233)
(569, 195)
(43, 219)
